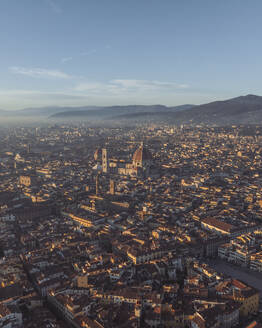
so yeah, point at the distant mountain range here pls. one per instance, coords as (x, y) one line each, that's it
(119, 112)
(240, 110)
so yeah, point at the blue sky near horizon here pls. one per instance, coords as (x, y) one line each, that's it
(106, 52)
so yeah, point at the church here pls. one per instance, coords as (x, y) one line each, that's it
(141, 164)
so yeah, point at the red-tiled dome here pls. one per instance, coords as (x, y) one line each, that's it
(142, 154)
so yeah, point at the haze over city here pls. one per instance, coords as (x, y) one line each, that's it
(130, 164)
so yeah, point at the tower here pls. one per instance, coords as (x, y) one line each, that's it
(104, 160)
(112, 187)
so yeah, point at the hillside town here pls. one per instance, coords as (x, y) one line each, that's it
(123, 227)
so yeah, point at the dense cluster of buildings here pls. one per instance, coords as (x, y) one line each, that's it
(245, 250)
(111, 227)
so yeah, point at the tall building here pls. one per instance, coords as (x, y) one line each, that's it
(104, 161)
(112, 187)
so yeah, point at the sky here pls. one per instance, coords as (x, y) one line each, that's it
(119, 52)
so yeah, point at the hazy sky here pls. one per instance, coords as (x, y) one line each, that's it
(104, 52)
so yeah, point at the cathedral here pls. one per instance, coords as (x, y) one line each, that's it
(141, 164)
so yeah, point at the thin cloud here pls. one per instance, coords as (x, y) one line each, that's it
(184, 86)
(148, 85)
(37, 93)
(128, 86)
(39, 72)
(82, 54)
(54, 6)
(66, 59)
(89, 86)
(87, 53)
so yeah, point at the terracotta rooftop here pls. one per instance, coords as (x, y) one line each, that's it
(219, 224)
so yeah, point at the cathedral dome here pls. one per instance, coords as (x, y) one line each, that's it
(142, 155)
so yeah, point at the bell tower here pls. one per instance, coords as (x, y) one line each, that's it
(104, 160)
